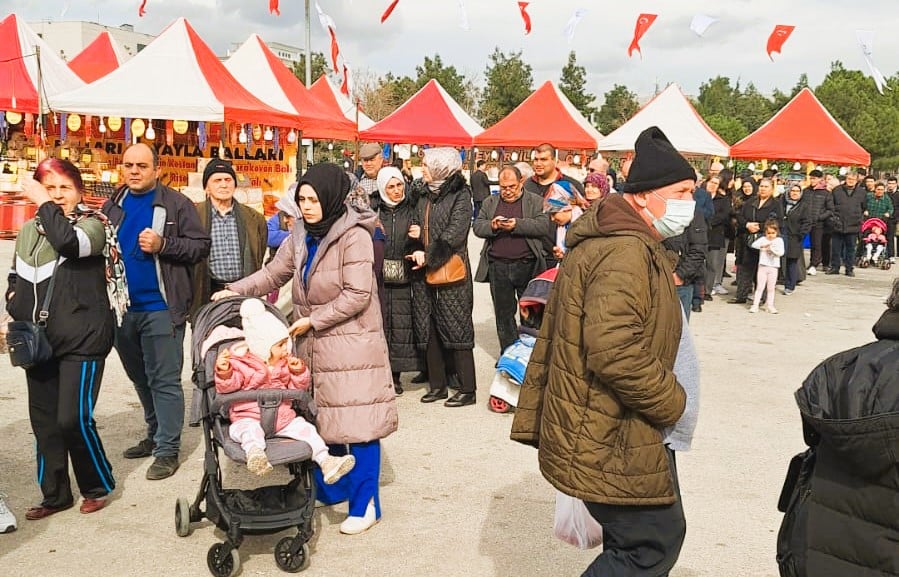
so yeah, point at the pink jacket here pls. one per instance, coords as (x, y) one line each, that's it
(248, 373)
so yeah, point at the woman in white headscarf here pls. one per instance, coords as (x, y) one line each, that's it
(396, 211)
(442, 312)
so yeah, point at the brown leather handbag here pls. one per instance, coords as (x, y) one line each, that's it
(453, 271)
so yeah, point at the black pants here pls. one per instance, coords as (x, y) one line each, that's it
(843, 248)
(61, 398)
(820, 247)
(746, 273)
(639, 541)
(462, 360)
(508, 279)
(891, 235)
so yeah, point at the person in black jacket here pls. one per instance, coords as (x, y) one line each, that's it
(64, 245)
(797, 223)
(847, 206)
(162, 238)
(480, 187)
(846, 522)
(718, 225)
(690, 247)
(819, 216)
(753, 214)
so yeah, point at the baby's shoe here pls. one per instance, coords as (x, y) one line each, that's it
(772, 310)
(754, 309)
(257, 462)
(333, 468)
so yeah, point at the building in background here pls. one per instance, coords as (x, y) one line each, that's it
(288, 54)
(70, 38)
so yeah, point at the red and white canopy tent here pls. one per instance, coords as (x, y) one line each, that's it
(430, 116)
(176, 77)
(255, 66)
(545, 116)
(672, 112)
(803, 130)
(98, 58)
(19, 68)
(333, 99)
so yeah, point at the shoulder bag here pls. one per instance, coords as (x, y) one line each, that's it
(27, 341)
(453, 271)
(395, 272)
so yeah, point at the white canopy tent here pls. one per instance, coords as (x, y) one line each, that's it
(672, 112)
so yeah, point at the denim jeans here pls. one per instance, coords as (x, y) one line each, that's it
(843, 247)
(685, 294)
(152, 352)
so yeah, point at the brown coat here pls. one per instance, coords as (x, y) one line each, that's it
(345, 349)
(599, 386)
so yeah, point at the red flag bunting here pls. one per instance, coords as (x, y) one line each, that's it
(644, 21)
(345, 85)
(389, 10)
(778, 36)
(335, 50)
(143, 9)
(273, 7)
(523, 7)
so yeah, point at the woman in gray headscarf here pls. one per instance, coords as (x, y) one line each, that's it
(442, 313)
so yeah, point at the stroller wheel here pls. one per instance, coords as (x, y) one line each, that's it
(222, 565)
(497, 405)
(182, 517)
(289, 562)
(886, 264)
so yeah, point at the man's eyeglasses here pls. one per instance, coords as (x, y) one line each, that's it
(510, 188)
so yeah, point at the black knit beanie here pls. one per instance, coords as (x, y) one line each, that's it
(656, 163)
(218, 165)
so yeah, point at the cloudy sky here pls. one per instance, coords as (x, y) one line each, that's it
(734, 47)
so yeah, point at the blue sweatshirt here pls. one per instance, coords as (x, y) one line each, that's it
(140, 267)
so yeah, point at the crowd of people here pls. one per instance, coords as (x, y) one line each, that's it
(377, 262)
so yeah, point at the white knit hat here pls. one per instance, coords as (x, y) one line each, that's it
(261, 329)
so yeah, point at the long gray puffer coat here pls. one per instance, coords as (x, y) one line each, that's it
(449, 307)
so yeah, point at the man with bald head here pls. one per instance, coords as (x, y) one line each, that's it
(161, 238)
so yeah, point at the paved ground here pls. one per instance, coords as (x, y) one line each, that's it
(458, 497)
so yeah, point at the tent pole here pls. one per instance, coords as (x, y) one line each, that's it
(40, 100)
(308, 55)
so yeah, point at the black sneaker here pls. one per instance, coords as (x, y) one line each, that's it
(162, 468)
(833, 271)
(850, 273)
(420, 378)
(143, 449)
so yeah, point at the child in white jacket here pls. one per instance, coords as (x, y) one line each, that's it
(771, 248)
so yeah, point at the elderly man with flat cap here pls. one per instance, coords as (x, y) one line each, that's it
(612, 385)
(239, 235)
(371, 160)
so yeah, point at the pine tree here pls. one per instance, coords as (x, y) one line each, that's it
(572, 84)
(509, 83)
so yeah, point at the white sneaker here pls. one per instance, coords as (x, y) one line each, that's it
(772, 310)
(333, 468)
(812, 271)
(356, 525)
(7, 519)
(719, 290)
(753, 309)
(257, 462)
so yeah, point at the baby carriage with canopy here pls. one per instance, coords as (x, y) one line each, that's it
(512, 365)
(262, 510)
(873, 244)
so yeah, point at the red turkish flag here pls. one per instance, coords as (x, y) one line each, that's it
(273, 7)
(778, 37)
(389, 10)
(143, 9)
(335, 50)
(523, 6)
(345, 85)
(644, 21)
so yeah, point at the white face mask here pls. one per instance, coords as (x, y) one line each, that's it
(678, 216)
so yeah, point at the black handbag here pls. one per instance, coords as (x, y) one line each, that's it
(27, 341)
(395, 272)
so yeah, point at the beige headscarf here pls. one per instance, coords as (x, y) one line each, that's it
(441, 162)
(385, 175)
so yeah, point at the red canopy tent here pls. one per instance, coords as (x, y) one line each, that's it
(545, 116)
(803, 130)
(256, 67)
(430, 116)
(326, 94)
(19, 69)
(98, 58)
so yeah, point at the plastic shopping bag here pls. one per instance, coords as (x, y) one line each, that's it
(574, 524)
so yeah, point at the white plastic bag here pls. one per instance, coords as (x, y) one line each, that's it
(574, 524)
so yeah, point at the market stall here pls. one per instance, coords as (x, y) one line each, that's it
(334, 100)
(99, 58)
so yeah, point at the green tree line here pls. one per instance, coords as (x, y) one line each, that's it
(731, 109)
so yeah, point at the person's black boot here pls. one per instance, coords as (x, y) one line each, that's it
(397, 387)
(420, 378)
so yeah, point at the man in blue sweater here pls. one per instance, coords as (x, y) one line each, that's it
(161, 238)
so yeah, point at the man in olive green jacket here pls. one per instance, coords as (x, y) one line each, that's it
(600, 388)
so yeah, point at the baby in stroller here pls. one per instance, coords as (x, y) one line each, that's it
(875, 243)
(262, 360)
(512, 365)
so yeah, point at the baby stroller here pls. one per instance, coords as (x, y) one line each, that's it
(512, 365)
(237, 512)
(876, 255)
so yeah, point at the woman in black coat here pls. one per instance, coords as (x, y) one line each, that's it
(397, 214)
(751, 221)
(443, 323)
(797, 223)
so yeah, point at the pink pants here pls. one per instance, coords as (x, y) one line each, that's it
(765, 279)
(248, 432)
